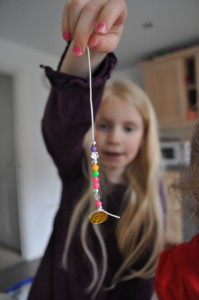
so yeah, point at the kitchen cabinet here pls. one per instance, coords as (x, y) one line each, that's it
(172, 83)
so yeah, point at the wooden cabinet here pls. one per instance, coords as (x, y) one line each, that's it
(172, 83)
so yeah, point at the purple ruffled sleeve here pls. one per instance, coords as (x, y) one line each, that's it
(67, 115)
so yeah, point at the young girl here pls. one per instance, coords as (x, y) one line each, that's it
(178, 268)
(116, 259)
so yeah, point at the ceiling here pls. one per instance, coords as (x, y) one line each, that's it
(37, 24)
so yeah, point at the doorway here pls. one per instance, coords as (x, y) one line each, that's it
(9, 214)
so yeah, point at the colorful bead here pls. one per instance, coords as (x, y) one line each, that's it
(96, 194)
(93, 148)
(95, 167)
(95, 173)
(98, 203)
(96, 185)
(94, 155)
(95, 179)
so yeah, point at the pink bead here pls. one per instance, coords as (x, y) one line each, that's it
(96, 185)
(95, 179)
(98, 203)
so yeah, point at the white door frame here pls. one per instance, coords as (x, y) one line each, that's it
(17, 75)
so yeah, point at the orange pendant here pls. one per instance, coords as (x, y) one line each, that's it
(98, 216)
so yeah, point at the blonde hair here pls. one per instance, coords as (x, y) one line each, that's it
(143, 211)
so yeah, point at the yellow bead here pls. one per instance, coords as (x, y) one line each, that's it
(95, 167)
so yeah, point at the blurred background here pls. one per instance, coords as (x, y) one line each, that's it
(159, 51)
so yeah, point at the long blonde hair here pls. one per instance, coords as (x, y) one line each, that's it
(143, 212)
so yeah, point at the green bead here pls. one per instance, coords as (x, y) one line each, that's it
(95, 173)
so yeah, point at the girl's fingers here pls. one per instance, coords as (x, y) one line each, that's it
(93, 22)
(111, 17)
(109, 27)
(71, 13)
(66, 33)
(86, 24)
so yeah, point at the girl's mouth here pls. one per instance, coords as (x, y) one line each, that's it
(112, 154)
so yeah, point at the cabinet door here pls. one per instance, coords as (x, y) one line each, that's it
(165, 85)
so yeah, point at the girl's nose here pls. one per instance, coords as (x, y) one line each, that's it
(114, 136)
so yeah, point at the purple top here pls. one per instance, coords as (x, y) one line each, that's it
(66, 120)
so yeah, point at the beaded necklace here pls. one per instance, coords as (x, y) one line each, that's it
(99, 215)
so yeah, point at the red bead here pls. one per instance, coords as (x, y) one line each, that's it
(98, 203)
(95, 179)
(96, 185)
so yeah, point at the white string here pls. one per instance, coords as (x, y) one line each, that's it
(92, 117)
(112, 215)
(91, 102)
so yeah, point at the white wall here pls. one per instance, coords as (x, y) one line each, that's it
(133, 73)
(38, 183)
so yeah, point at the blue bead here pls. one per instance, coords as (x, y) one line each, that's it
(93, 148)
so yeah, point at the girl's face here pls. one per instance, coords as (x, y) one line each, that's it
(118, 130)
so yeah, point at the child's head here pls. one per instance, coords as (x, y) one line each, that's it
(125, 128)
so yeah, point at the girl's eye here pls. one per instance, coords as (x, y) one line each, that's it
(129, 128)
(102, 126)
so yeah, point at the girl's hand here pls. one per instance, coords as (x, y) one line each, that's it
(96, 23)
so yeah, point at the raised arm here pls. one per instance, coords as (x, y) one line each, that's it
(67, 115)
